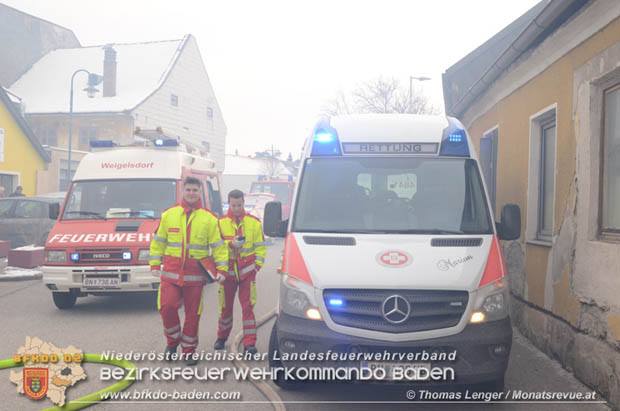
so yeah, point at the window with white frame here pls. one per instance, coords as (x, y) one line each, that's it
(610, 218)
(546, 181)
(541, 182)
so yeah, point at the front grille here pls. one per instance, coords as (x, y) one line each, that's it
(101, 256)
(456, 242)
(430, 309)
(316, 240)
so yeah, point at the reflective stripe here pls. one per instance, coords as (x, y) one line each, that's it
(259, 244)
(231, 273)
(248, 269)
(175, 335)
(222, 267)
(217, 243)
(155, 258)
(174, 244)
(249, 331)
(186, 345)
(197, 247)
(194, 278)
(247, 250)
(170, 275)
(190, 339)
(226, 320)
(225, 327)
(169, 330)
(261, 259)
(160, 239)
(249, 322)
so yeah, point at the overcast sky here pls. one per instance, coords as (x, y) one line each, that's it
(274, 64)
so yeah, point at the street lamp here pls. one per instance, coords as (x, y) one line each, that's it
(91, 90)
(411, 78)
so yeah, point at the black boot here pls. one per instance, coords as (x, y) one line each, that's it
(190, 360)
(249, 349)
(219, 343)
(169, 351)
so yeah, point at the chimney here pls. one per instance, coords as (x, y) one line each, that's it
(109, 71)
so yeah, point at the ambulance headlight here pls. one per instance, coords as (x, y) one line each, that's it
(492, 301)
(297, 298)
(144, 255)
(55, 256)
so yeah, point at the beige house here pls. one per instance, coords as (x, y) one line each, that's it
(541, 100)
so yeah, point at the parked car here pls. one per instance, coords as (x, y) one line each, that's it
(25, 221)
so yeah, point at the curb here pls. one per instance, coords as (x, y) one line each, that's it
(25, 277)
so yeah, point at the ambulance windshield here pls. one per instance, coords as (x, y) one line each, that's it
(392, 195)
(106, 199)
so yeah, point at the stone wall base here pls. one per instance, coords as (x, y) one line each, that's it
(592, 360)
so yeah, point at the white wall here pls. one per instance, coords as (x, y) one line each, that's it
(188, 80)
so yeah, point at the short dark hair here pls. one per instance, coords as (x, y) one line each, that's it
(235, 194)
(191, 180)
(19, 188)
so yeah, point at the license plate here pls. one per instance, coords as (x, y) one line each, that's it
(113, 282)
(407, 368)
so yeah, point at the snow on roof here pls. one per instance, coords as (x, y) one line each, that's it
(240, 165)
(14, 98)
(141, 69)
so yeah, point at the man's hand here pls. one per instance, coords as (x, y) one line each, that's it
(156, 273)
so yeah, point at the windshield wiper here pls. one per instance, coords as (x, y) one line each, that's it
(88, 213)
(133, 213)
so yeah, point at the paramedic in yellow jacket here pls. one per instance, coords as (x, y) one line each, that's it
(185, 234)
(243, 234)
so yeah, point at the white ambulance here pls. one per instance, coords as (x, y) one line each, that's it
(392, 254)
(100, 242)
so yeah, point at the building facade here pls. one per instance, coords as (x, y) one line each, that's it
(154, 85)
(21, 154)
(544, 114)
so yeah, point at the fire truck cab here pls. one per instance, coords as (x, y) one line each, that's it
(100, 242)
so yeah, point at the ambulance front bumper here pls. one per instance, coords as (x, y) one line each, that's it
(97, 279)
(481, 350)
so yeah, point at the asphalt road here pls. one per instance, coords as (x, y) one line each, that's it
(132, 324)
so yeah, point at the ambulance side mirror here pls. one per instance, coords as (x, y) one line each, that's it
(272, 220)
(510, 225)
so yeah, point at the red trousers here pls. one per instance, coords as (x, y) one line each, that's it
(247, 298)
(169, 302)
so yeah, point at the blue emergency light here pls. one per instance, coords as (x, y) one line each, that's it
(454, 141)
(336, 302)
(126, 255)
(75, 256)
(102, 143)
(160, 142)
(325, 141)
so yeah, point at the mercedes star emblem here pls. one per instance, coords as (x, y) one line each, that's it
(396, 309)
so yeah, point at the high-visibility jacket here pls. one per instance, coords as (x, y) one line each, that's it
(180, 242)
(252, 255)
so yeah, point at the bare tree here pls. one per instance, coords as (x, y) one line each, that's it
(272, 166)
(380, 95)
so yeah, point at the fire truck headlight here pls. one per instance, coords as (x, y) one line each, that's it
(55, 256)
(144, 255)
